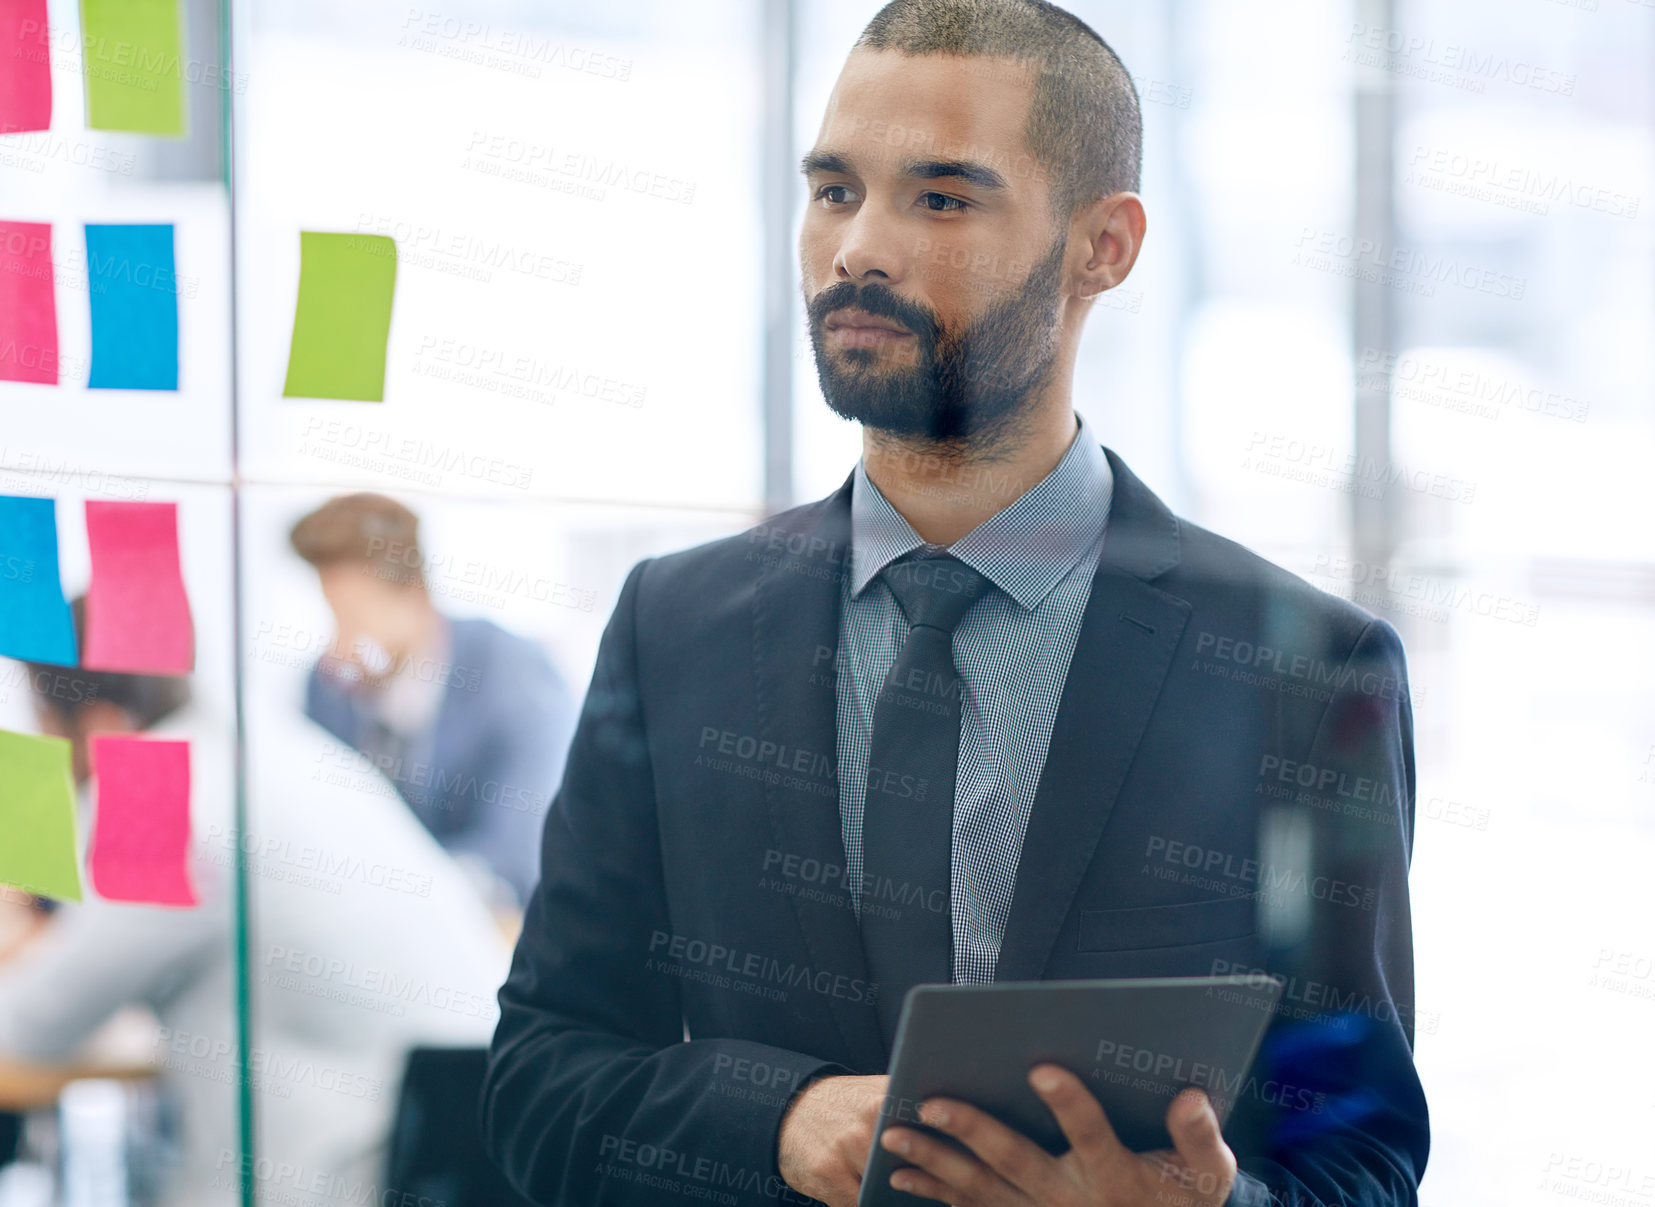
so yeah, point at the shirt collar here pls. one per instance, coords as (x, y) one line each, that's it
(1025, 549)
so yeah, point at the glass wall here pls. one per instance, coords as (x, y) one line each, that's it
(1521, 376)
(118, 1021)
(565, 392)
(556, 405)
(1390, 328)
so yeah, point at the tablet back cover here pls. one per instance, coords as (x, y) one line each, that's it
(1136, 1043)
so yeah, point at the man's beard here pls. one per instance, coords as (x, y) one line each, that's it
(965, 387)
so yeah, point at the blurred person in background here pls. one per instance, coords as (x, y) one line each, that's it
(470, 722)
(366, 941)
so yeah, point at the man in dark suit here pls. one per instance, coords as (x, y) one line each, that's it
(469, 721)
(989, 712)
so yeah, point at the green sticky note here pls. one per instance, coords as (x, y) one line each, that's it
(37, 817)
(132, 52)
(343, 320)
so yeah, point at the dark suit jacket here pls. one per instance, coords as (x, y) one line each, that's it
(690, 954)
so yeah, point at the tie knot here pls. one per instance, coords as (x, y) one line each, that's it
(934, 588)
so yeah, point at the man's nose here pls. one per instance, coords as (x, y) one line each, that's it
(874, 248)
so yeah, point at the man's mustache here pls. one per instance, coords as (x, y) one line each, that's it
(876, 300)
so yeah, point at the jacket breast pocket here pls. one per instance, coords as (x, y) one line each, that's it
(1168, 925)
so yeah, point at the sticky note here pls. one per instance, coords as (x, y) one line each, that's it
(134, 292)
(343, 320)
(132, 53)
(37, 816)
(26, 79)
(28, 304)
(137, 615)
(140, 843)
(35, 621)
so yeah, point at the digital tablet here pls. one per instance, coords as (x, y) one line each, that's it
(1136, 1044)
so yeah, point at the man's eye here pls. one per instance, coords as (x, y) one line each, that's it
(948, 203)
(823, 194)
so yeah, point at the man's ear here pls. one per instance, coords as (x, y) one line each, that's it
(1107, 236)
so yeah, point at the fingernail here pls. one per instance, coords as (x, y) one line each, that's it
(1046, 1081)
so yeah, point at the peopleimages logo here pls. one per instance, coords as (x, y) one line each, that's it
(1161, 1071)
(1404, 268)
(1324, 465)
(333, 974)
(1309, 999)
(1516, 186)
(660, 1166)
(1334, 779)
(879, 894)
(1318, 677)
(1224, 871)
(751, 966)
(799, 544)
(1443, 595)
(282, 1180)
(763, 751)
(215, 1058)
(1436, 379)
(1450, 63)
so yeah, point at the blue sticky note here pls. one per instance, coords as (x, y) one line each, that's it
(35, 622)
(134, 291)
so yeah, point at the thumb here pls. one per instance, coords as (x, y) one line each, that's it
(1195, 1133)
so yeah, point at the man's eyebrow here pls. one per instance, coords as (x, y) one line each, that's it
(825, 163)
(832, 163)
(979, 174)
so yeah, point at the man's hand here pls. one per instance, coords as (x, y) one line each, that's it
(1010, 1170)
(825, 1136)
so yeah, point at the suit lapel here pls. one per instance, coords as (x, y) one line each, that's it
(795, 642)
(1128, 636)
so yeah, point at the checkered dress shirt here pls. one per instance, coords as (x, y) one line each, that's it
(1012, 649)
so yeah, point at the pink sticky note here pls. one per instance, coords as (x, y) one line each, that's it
(140, 844)
(28, 303)
(137, 615)
(26, 83)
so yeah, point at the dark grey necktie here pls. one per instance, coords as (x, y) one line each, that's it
(913, 757)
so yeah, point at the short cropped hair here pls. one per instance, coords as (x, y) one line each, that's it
(1084, 123)
(364, 529)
